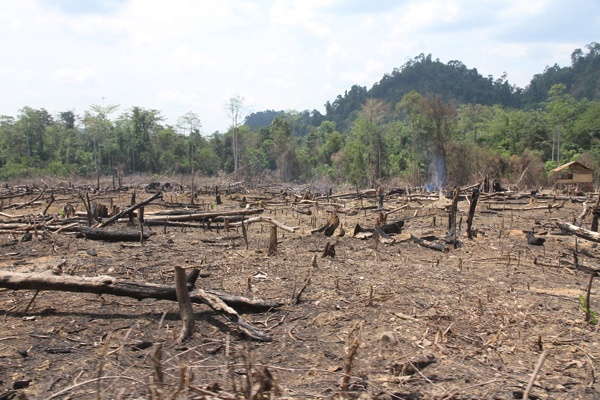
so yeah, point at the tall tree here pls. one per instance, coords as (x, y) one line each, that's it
(284, 149)
(374, 112)
(235, 109)
(560, 107)
(98, 127)
(188, 123)
(32, 125)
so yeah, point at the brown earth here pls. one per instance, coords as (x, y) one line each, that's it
(469, 323)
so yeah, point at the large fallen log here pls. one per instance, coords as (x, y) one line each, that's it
(110, 235)
(577, 231)
(108, 285)
(203, 216)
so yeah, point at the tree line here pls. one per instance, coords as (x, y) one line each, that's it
(431, 134)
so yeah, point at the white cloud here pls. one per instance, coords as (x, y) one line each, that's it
(184, 58)
(189, 55)
(69, 76)
(301, 14)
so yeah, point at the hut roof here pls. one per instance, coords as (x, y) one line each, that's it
(573, 165)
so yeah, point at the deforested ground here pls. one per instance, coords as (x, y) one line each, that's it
(382, 317)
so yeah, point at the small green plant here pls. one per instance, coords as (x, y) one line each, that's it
(590, 315)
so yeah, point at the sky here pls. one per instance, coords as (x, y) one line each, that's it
(181, 56)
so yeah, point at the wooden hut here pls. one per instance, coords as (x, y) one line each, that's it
(574, 176)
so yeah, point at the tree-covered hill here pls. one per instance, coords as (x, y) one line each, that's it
(581, 79)
(456, 83)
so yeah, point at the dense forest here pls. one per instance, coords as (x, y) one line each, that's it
(425, 123)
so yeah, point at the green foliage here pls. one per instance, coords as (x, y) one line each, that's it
(593, 315)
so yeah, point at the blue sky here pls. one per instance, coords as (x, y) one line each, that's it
(192, 55)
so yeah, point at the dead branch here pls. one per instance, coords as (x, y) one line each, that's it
(269, 220)
(130, 209)
(535, 373)
(296, 297)
(19, 206)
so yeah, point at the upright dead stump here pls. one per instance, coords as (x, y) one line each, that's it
(329, 250)
(332, 224)
(218, 200)
(273, 241)
(141, 221)
(472, 207)
(452, 227)
(185, 305)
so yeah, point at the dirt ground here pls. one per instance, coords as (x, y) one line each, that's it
(469, 323)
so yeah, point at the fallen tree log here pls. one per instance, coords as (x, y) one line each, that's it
(577, 231)
(108, 285)
(109, 235)
(19, 206)
(202, 216)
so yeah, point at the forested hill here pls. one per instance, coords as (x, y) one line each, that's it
(455, 82)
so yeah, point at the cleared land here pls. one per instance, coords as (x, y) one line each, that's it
(385, 317)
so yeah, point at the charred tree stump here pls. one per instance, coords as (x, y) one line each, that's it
(452, 214)
(596, 214)
(185, 305)
(131, 221)
(217, 196)
(329, 228)
(141, 221)
(472, 207)
(245, 234)
(329, 250)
